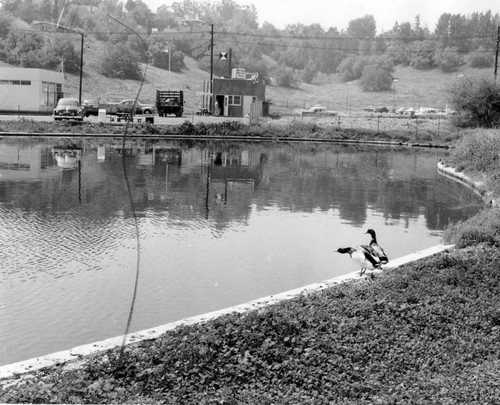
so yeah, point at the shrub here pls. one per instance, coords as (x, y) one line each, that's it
(351, 68)
(119, 62)
(375, 78)
(477, 101)
(481, 228)
(448, 59)
(479, 151)
(481, 59)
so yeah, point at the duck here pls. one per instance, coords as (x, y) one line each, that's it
(364, 256)
(377, 249)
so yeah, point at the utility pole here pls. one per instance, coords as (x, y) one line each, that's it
(81, 73)
(496, 54)
(211, 67)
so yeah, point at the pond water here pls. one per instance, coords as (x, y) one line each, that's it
(207, 225)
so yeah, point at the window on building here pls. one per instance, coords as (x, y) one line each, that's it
(16, 82)
(49, 94)
(234, 100)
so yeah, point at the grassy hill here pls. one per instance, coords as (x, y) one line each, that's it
(414, 88)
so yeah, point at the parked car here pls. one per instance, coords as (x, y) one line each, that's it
(319, 110)
(68, 109)
(382, 109)
(426, 112)
(91, 107)
(135, 107)
(405, 111)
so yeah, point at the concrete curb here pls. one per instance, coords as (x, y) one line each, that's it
(477, 186)
(14, 370)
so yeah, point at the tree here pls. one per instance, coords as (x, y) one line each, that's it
(448, 59)
(284, 77)
(422, 56)
(119, 62)
(477, 101)
(351, 68)
(362, 28)
(375, 78)
(310, 72)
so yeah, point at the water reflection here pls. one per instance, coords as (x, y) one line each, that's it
(219, 224)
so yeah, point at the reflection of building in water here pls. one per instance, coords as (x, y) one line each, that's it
(157, 155)
(67, 158)
(23, 162)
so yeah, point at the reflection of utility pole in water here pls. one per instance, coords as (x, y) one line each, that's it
(207, 209)
(80, 181)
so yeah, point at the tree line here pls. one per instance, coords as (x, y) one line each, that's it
(298, 53)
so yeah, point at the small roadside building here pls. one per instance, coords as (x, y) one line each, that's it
(29, 90)
(241, 94)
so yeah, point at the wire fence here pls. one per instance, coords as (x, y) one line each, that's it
(423, 127)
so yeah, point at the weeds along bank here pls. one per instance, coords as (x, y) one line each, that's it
(368, 128)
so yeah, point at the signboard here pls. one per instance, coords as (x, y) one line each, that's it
(238, 73)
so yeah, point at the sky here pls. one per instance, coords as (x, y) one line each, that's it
(338, 13)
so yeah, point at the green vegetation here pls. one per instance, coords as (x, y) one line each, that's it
(305, 52)
(478, 100)
(478, 155)
(425, 132)
(427, 332)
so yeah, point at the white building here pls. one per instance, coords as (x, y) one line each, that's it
(29, 90)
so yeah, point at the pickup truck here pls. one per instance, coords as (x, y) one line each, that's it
(319, 111)
(124, 107)
(134, 107)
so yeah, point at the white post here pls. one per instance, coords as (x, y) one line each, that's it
(168, 52)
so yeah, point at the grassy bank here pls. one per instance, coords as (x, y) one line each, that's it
(425, 333)
(368, 128)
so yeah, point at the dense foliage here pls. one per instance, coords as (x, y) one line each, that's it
(428, 332)
(304, 51)
(477, 100)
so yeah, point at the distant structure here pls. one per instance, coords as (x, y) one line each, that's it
(241, 94)
(29, 90)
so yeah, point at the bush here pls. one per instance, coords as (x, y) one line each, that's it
(481, 228)
(448, 59)
(119, 62)
(478, 151)
(375, 78)
(477, 101)
(351, 68)
(481, 59)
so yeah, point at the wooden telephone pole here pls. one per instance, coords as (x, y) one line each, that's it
(496, 54)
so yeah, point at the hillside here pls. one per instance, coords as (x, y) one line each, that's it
(414, 88)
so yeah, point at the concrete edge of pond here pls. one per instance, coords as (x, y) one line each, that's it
(477, 187)
(71, 356)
